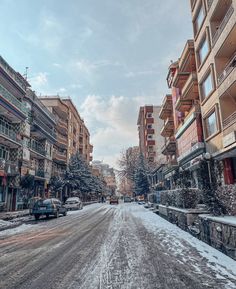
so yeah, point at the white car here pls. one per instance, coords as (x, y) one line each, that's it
(74, 204)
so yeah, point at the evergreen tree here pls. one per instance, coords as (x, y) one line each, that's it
(141, 178)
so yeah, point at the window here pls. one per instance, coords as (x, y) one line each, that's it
(199, 19)
(203, 51)
(211, 124)
(149, 126)
(149, 115)
(207, 86)
(150, 148)
(4, 153)
(149, 136)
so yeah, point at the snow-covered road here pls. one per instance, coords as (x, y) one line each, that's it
(110, 247)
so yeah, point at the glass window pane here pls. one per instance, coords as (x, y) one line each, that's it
(211, 124)
(207, 86)
(199, 19)
(204, 49)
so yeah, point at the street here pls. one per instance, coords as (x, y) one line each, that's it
(123, 246)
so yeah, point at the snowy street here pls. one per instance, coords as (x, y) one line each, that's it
(123, 246)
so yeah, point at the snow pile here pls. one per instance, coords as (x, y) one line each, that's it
(17, 230)
(179, 242)
(4, 224)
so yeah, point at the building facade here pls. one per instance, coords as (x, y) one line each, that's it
(13, 117)
(38, 145)
(182, 79)
(214, 26)
(71, 133)
(150, 138)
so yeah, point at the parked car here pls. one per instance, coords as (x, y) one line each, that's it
(48, 207)
(74, 204)
(114, 200)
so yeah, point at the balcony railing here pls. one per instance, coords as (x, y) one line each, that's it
(230, 120)
(9, 133)
(14, 75)
(62, 123)
(228, 68)
(62, 139)
(198, 146)
(60, 156)
(13, 100)
(190, 88)
(37, 147)
(222, 25)
(43, 126)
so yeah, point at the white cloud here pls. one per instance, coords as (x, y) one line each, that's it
(39, 80)
(112, 123)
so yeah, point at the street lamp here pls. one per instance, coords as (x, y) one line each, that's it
(207, 157)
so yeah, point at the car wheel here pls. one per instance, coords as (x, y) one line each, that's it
(56, 214)
(36, 216)
(65, 213)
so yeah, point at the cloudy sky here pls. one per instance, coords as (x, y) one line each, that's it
(110, 56)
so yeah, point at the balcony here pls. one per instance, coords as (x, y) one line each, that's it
(150, 142)
(168, 128)
(167, 108)
(150, 131)
(219, 24)
(38, 149)
(39, 127)
(229, 130)
(149, 120)
(15, 76)
(190, 88)
(62, 140)
(62, 125)
(187, 61)
(8, 134)
(180, 78)
(229, 67)
(59, 156)
(169, 148)
(188, 120)
(183, 105)
(196, 149)
(11, 103)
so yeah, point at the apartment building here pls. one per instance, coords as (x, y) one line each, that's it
(186, 114)
(13, 115)
(79, 137)
(60, 112)
(38, 144)
(72, 134)
(214, 26)
(168, 149)
(150, 138)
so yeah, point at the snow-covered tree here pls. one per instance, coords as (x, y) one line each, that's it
(141, 178)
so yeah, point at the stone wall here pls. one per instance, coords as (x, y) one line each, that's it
(221, 236)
